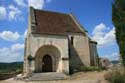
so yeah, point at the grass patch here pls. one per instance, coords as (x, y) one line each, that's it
(83, 68)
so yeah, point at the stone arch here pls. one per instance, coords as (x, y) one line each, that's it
(50, 50)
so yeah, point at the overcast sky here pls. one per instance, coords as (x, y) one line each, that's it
(93, 15)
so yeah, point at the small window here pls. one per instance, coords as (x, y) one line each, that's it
(72, 40)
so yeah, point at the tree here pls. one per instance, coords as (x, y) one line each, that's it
(118, 18)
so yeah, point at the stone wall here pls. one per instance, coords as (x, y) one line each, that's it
(93, 53)
(79, 51)
(36, 41)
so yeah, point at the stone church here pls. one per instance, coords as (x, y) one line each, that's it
(57, 43)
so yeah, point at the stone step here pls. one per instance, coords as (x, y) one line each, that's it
(47, 76)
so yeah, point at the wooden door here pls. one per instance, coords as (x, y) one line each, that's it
(47, 64)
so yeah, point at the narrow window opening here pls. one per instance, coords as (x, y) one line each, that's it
(72, 38)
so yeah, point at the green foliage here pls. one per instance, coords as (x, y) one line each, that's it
(7, 68)
(118, 18)
(121, 4)
(83, 68)
(116, 74)
(118, 77)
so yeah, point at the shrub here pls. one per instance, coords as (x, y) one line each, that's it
(83, 68)
(118, 77)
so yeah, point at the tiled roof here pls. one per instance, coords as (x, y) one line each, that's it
(54, 23)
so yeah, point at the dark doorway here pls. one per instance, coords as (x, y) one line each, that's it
(47, 63)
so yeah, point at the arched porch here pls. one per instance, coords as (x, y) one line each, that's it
(47, 59)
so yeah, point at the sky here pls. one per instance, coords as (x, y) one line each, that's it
(94, 15)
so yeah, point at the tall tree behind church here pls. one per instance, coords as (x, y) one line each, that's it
(118, 18)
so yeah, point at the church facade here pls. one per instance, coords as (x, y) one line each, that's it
(56, 42)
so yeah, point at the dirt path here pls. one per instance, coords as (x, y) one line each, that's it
(82, 77)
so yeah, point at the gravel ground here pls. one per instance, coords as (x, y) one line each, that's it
(81, 77)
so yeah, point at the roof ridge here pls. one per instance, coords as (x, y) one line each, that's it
(49, 11)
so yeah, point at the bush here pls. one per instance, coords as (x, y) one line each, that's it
(83, 68)
(118, 77)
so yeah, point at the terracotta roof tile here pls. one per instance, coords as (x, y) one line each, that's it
(54, 23)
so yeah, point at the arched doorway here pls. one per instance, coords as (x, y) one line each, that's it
(47, 63)
(47, 59)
